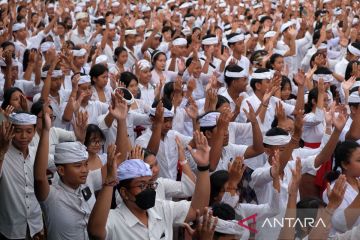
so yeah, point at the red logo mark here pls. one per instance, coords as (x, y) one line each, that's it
(241, 223)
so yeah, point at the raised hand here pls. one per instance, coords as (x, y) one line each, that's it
(250, 115)
(236, 170)
(23, 103)
(191, 85)
(238, 102)
(46, 121)
(119, 109)
(6, 135)
(159, 114)
(8, 110)
(80, 125)
(321, 86)
(340, 121)
(280, 112)
(111, 165)
(224, 119)
(181, 150)
(296, 177)
(336, 195)
(300, 77)
(346, 85)
(275, 170)
(204, 229)
(192, 109)
(137, 153)
(201, 153)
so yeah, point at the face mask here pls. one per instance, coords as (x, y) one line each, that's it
(231, 200)
(146, 199)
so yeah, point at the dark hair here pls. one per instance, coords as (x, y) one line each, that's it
(305, 209)
(37, 107)
(316, 37)
(93, 129)
(254, 81)
(217, 182)
(166, 103)
(96, 71)
(221, 100)
(312, 59)
(7, 96)
(349, 69)
(342, 155)
(147, 153)
(127, 77)
(230, 36)
(232, 68)
(284, 80)
(168, 89)
(155, 56)
(313, 95)
(223, 211)
(117, 52)
(272, 60)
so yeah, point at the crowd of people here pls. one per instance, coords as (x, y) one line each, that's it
(177, 119)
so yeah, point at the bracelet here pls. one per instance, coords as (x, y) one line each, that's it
(183, 162)
(203, 168)
(110, 184)
(180, 74)
(264, 105)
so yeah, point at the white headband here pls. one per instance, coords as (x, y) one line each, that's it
(55, 74)
(22, 119)
(209, 120)
(270, 34)
(130, 32)
(241, 74)
(167, 113)
(277, 140)
(84, 79)
(79, 53)
(354, 97)
(144, 64)
(326, 77)
(210, 41)
(46, 46)
(180, 42)
(354, 50)
(263, 75)
(236, 38)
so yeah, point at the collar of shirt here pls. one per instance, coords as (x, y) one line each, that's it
(149, 86)
(16, 151)
(69, 189)
(131, 219)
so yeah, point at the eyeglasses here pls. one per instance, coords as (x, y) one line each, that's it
(97, 142)
(144, 186)
(51, 117)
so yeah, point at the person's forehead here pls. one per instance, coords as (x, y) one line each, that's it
(23, 127)
(141, 180)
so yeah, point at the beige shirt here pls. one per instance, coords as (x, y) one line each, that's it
(19, 207)
(122, 224)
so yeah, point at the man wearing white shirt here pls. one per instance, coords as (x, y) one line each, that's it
(236, 44)
(80, 35)
(353, 54)
(20, 213)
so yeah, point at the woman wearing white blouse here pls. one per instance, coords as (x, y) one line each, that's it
(101, 91)
(158, 61)
(120, 58)
(94, 142)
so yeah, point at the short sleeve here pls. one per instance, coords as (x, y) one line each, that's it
(94, 179)
(179, 210)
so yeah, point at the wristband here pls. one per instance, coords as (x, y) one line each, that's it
(264, 105)
(110, 184)
(183, 162)
(180, 74)
(203, 168)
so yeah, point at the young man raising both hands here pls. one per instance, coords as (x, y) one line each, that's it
(140, 216)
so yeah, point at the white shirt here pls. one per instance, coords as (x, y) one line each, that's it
(107, 92)
(56, 136)
(170, 76)
(340, 67)
(122, 224)
(229, 153)
(133, 56)
(78, 39)
(167, 155)
(353, 234)
(261, 182)
(338, 219)
(314, 126)
(133, 119)
(168, 188)
(66, 212)
(243, 62)
(147, 93)
(19, 207)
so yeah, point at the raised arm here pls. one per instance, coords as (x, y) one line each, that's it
(201, 196)
(154, 142)
(99, 214)
(217, 138)
(41, 184)
(6, 134)
(288, 232)
(257, 147)
(335, 196)
(330, 146)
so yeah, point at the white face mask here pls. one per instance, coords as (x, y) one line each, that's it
(231, 200)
